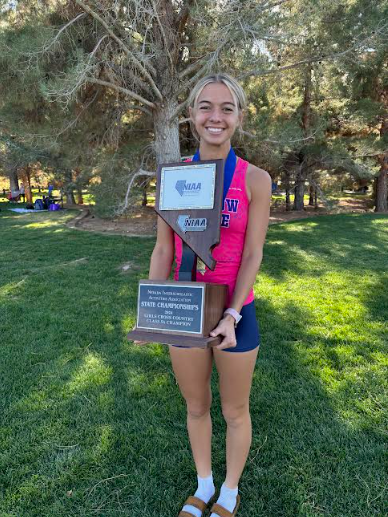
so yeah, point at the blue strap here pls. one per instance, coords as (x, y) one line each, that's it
(230, 166)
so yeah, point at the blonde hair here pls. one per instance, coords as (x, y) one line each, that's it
(230, 82)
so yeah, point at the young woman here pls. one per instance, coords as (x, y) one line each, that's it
(216, 111)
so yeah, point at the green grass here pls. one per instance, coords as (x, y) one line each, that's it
(94, 426)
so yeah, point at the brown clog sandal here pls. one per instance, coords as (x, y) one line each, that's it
(222, 512)
(197, 503)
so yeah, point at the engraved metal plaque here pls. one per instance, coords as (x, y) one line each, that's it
(188, 186)
(176, 307)
(192, 224)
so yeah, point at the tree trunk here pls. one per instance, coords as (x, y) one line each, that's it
(288, 201)
(299, 196)
(69, 193)
(78, 185)
(382, 188)
(381, 200)
(13, 181)
(145, 187)
(27, 185)
(68, 187)
(80, 198)
(306, 106)
(311, 198)
(166, 133)
(286, 185)
(144, 200)
(299, 189)
(306, 125)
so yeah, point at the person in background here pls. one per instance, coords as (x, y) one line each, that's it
(14, 195)
(22, 193)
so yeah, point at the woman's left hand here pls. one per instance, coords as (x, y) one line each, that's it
(226, 329)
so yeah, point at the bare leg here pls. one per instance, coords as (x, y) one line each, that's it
(235, 374)
(192, 368)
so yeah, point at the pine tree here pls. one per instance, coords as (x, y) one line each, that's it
(363, 78)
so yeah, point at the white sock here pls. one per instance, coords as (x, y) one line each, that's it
(204, 492)
(227, 499)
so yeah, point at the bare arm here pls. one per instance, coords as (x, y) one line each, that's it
(163, 254)
(259, 192)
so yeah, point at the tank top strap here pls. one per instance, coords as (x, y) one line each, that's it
(239, 176)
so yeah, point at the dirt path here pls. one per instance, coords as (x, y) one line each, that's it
(142, 223)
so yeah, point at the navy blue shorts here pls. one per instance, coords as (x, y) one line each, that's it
(247, 331)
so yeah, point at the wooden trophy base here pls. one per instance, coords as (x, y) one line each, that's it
(169, 339)
(166, 308)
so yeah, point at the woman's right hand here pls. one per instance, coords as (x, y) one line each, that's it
(226, 330)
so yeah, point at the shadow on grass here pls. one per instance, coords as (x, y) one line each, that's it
(329, 239)
(312, 437)
(93, 425)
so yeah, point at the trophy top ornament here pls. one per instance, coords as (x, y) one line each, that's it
(189, 199)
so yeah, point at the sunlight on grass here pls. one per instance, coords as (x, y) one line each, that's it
(280, 243)
(297, 228)
(35, 401)
(45, 224)
(11, 288)
(108, 327)
(125, 290)
(349, 380)
(139, 382)
(128, 322)
(334, 335)
(8, 217)
(157, 350)
(84, 409)
(33, 487)
(106, 399)
(306, 255)
(379, 222)
(105, 440)
(93, 372)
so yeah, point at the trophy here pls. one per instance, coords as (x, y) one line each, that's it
(189, 199)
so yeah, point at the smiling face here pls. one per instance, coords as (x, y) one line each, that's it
(215, 116)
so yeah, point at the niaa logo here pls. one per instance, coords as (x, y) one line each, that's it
(188, 224)
(185, 188)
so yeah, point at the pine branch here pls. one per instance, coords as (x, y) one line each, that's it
(140, 172)
(120, 42)
(52, 42)
(314, 59)
(192, 68)
(125, 91)
(137, 84)
(186, 86)
(162, 31)
(184, 16)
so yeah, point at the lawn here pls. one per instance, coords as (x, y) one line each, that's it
(92, 425)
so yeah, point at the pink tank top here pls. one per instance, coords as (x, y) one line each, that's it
(229, 251)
